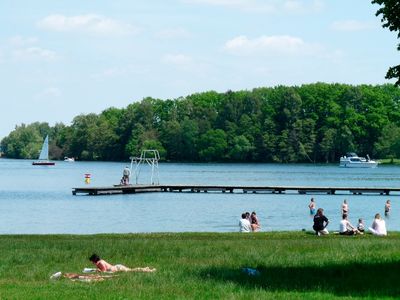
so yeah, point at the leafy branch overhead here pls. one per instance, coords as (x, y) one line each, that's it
(390, 18)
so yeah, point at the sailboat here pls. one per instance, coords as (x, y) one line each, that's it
(44, 155)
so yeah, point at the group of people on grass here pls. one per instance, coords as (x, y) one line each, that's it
(378, 226)
(249, 222)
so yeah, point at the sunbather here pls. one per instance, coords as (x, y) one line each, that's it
(104, 266)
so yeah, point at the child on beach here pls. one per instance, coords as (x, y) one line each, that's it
(361, 226)
(104, 266)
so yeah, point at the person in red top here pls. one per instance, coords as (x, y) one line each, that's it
(104, 266)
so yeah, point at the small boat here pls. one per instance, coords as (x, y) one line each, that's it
(44, 155)
(69, 159)
(352, 160)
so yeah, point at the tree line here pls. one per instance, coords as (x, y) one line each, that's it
(309, 123)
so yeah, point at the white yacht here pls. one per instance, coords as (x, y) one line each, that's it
(352, 160)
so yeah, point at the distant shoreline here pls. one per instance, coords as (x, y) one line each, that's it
(384, 161)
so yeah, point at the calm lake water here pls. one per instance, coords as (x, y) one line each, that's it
(38, 200)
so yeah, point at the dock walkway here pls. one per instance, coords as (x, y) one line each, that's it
(132, 189)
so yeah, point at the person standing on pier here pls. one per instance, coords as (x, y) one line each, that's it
(320, 223)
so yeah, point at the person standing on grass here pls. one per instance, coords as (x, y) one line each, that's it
(320, 223)
(244, 224)
(346, 228)
(387, 208)
(312, 206)
(378, 227)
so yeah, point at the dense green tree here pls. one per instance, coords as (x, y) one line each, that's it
(25, 141)
(241, 148)
(390, 18)
(213, 145)
(389, 143)
(309, 123)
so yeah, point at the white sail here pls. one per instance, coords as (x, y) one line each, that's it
(44, 154)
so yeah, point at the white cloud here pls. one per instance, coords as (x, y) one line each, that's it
(270, 45)
(50, 92)
(20, 48)
(19, 41)
(184, 63)
(245, 5)
(173, 33)
(89, 23)
(265, 6)
(300, 7)
(34, 53)
(351, 25)
(177, 59)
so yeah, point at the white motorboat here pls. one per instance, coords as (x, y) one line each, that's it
(69, 159)
(352, 160)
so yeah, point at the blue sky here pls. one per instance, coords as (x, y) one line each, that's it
(59, 59)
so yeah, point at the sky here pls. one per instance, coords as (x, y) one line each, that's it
(59, 59)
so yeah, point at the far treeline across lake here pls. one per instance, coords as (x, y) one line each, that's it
(309, 123)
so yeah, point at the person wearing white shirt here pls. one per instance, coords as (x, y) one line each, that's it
(346, 228)
(244, 224)
(378, 226)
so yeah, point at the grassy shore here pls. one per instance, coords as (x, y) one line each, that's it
(292, 265)
(389, 161)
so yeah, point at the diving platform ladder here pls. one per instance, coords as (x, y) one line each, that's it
(151, 158)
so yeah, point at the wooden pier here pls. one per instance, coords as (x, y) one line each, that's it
(132, 189)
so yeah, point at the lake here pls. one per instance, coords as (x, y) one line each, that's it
(39, 200)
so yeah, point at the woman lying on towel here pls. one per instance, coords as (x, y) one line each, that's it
(104, 266)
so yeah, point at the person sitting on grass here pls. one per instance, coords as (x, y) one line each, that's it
(255, 224)
(244, 224)
(103, 266)
(320, 223)
(378, 226)
(346, 228)
(360, 226)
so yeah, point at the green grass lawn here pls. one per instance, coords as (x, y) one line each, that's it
(292, 265)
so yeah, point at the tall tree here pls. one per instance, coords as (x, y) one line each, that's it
(390, 18)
